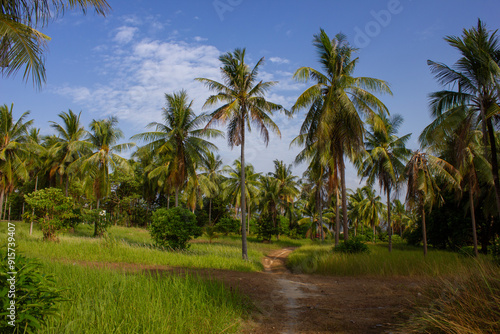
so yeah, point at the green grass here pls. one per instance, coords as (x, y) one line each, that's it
(402, 261)
(134, 245)
(106, 301)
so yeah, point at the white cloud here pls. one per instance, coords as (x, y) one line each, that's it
(125, 34)
(279, 60)
(200, 39)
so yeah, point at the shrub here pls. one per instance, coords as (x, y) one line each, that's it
(228, 225)
(265, 227)
(100, 218)
(173, 228)
(52, 210)
(35, 295)
(352, 246)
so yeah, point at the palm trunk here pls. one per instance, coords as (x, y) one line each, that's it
(374, 233)
(2, 195)
(244, 251)
(96, 223)
(210, 212)
(494, 163)
(337, 216)
(36, 188)
(248, 220)
(473, 217)
(389, 218)
(424, 230)
(320, 213)
(5, 207)
(176, 196)
(168, 201)
(344, 197)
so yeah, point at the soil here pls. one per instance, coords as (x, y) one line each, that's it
(299, 303)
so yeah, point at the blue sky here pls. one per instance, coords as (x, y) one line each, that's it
(123, 64)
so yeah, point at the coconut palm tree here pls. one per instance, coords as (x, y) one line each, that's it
(385, 158)
(287, 186)
(422, 171)
(70, 145)
(244, 103)
(232, 186)
(476, 75)
(21, 44)
(97, 165)
(179, 141)
(211, 174)
(455, 136)
(336, 104)
(371, 208)
(13, 150)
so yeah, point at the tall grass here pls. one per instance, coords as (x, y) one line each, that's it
(469, 303)
(134, 245)
(105, 301)
(402, 261)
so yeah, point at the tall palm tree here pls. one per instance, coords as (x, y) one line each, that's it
(287, 186)
(455, 136)
(476, 74)
(232, 185)
(371, 208)
(211, 174)
(385, 158)
(269, 199)
(21, 44)
(244, 103)
(13, 150)
(70, 145)
(422, 171)
(103, 137)
(336, 104)
(179, 141)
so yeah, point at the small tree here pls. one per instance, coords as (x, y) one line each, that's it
(173, 228)
(52, 210)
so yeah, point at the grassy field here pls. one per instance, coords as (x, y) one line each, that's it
(402, 261)
(106, 301)
(134, 245)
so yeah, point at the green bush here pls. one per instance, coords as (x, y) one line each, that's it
(173, 228)
(228, 225)
(52, 210)
(352, 246)
(100, 218)
(265, 227)
(35, 295)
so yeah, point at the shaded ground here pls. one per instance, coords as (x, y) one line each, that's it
(296, 303)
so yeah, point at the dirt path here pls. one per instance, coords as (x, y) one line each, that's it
(306, 304)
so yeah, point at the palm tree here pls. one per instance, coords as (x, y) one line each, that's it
(21, 44)
(454, 135)
(336, 104)
(244, 102)
(422, 188)
(13, 150)
(70, 145)
(371, 208)
(179, 141)
(287, 186)
(476, 74)
(384, 160)
(269, 199)
(232, 186)
(211, 174)
(103, 138)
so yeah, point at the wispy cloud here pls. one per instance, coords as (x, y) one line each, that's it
(279, 60)
(125, 34)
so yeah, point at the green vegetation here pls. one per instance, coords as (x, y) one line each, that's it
(402, 261)
(173, 228)
(105, 301)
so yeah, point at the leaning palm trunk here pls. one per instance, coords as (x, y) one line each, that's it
(424, 230)
(2, 195)
(337, 217)
(244, 251)
(389, 224)
(344, 197)
(31, 224)
(473, 217)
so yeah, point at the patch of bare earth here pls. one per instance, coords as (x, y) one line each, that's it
(293, 303)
